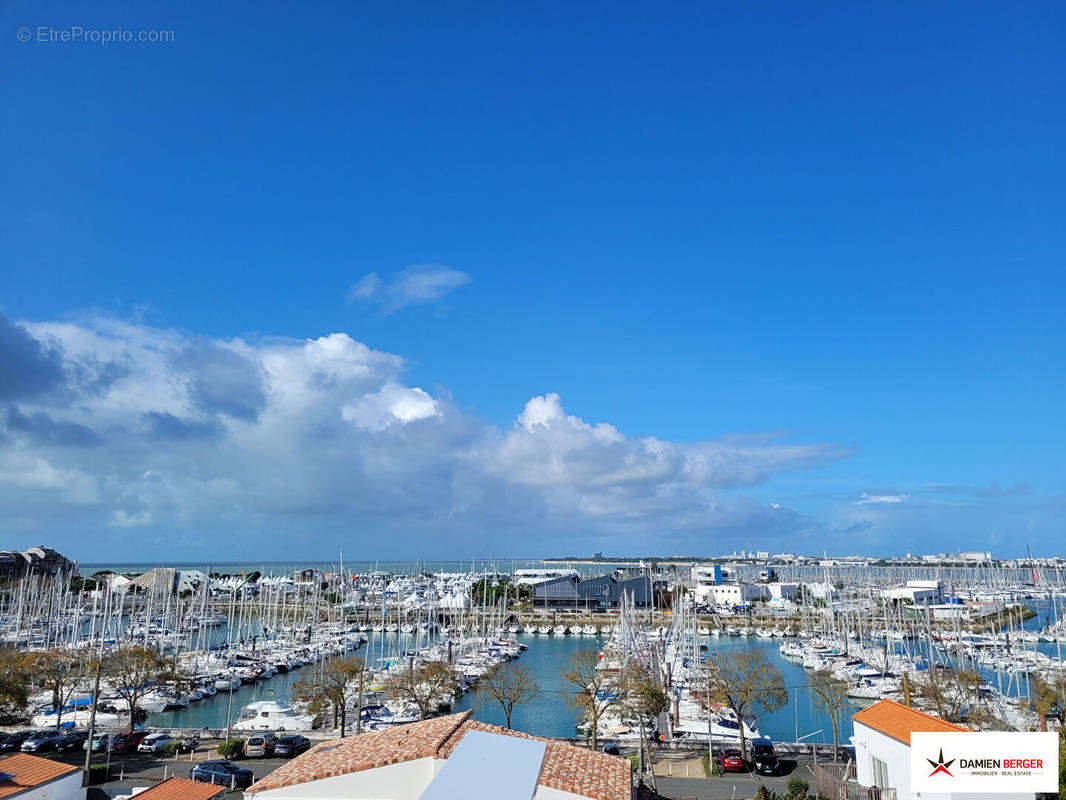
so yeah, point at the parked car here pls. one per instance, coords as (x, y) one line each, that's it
(223, 773)
(612, 750)
(13, 741)
(154, 743)
(75, 740)
(762, 753)
(730, 761)
(101, 742)
(291, 746)
(42, 741)
(260, 745)
(127, 742)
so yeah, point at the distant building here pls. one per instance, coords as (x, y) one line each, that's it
(735, 594)
(35, 561)
(763, 555)
(783, 591)
(443, 759)
(531, 577)
(918, 593)
(594, 594)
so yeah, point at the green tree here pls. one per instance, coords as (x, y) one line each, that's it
(509, 685)
(1045, 695)
(743, 679)
(336, 684)
(14, 685)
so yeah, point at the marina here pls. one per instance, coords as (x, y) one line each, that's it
(245, 641)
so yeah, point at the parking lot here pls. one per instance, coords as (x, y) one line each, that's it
(142, 769)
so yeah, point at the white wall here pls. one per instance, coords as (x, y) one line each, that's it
(66, 788)
(405, 781)
(870, 743)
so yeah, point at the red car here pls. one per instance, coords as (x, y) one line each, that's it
(730, 761)
(127, 742)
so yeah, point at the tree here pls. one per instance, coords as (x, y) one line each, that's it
(1046, 696)
(427, 686)
(830, 694)
(595, 689)
(509, 685)
(132, 670)
(742, 679)
(951, 691)
(335, 684)
(61, 671)
(14, 685)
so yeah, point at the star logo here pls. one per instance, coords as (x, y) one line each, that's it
(940, 765)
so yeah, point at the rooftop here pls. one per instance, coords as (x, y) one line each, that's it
(564, 767)
(899, 721)
(182, 789)
(21, 772)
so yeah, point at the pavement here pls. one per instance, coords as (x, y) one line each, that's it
(142, 770)
(732, 786)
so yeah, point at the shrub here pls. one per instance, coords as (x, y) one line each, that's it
(634, 762)
(170, 748)
(231, 748)
(796, 786)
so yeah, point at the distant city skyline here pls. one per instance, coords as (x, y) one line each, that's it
(444, 282)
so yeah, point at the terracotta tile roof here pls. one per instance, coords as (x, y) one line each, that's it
(565, 767)
(182, 789)
(28, 771)
(365, 751)
(900, 721)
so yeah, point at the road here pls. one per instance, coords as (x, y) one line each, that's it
(143, 770)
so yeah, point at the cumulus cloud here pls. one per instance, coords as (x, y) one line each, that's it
(29, 367)
(416, 285)
(298, 446)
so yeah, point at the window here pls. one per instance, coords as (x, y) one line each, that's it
(880, 770)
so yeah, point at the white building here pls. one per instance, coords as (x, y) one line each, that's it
(27, 777)
(733, 594)
(445, 758)
(919, 593)
(883, 749)
(531, 577)
(783, 591)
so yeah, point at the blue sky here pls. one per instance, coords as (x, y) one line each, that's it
(838, 225)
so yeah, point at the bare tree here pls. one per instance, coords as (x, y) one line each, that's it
(951, 691)
(335, 684)
(61, 671)
(133, 670)
(830, 694)
(427, 685)
(595, 688)
(509, 685)
(743, 679)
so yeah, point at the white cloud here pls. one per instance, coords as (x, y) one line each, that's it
(416, 285)
(295, 446)
(872, 499)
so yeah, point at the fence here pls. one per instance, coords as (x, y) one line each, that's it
(834, 782)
